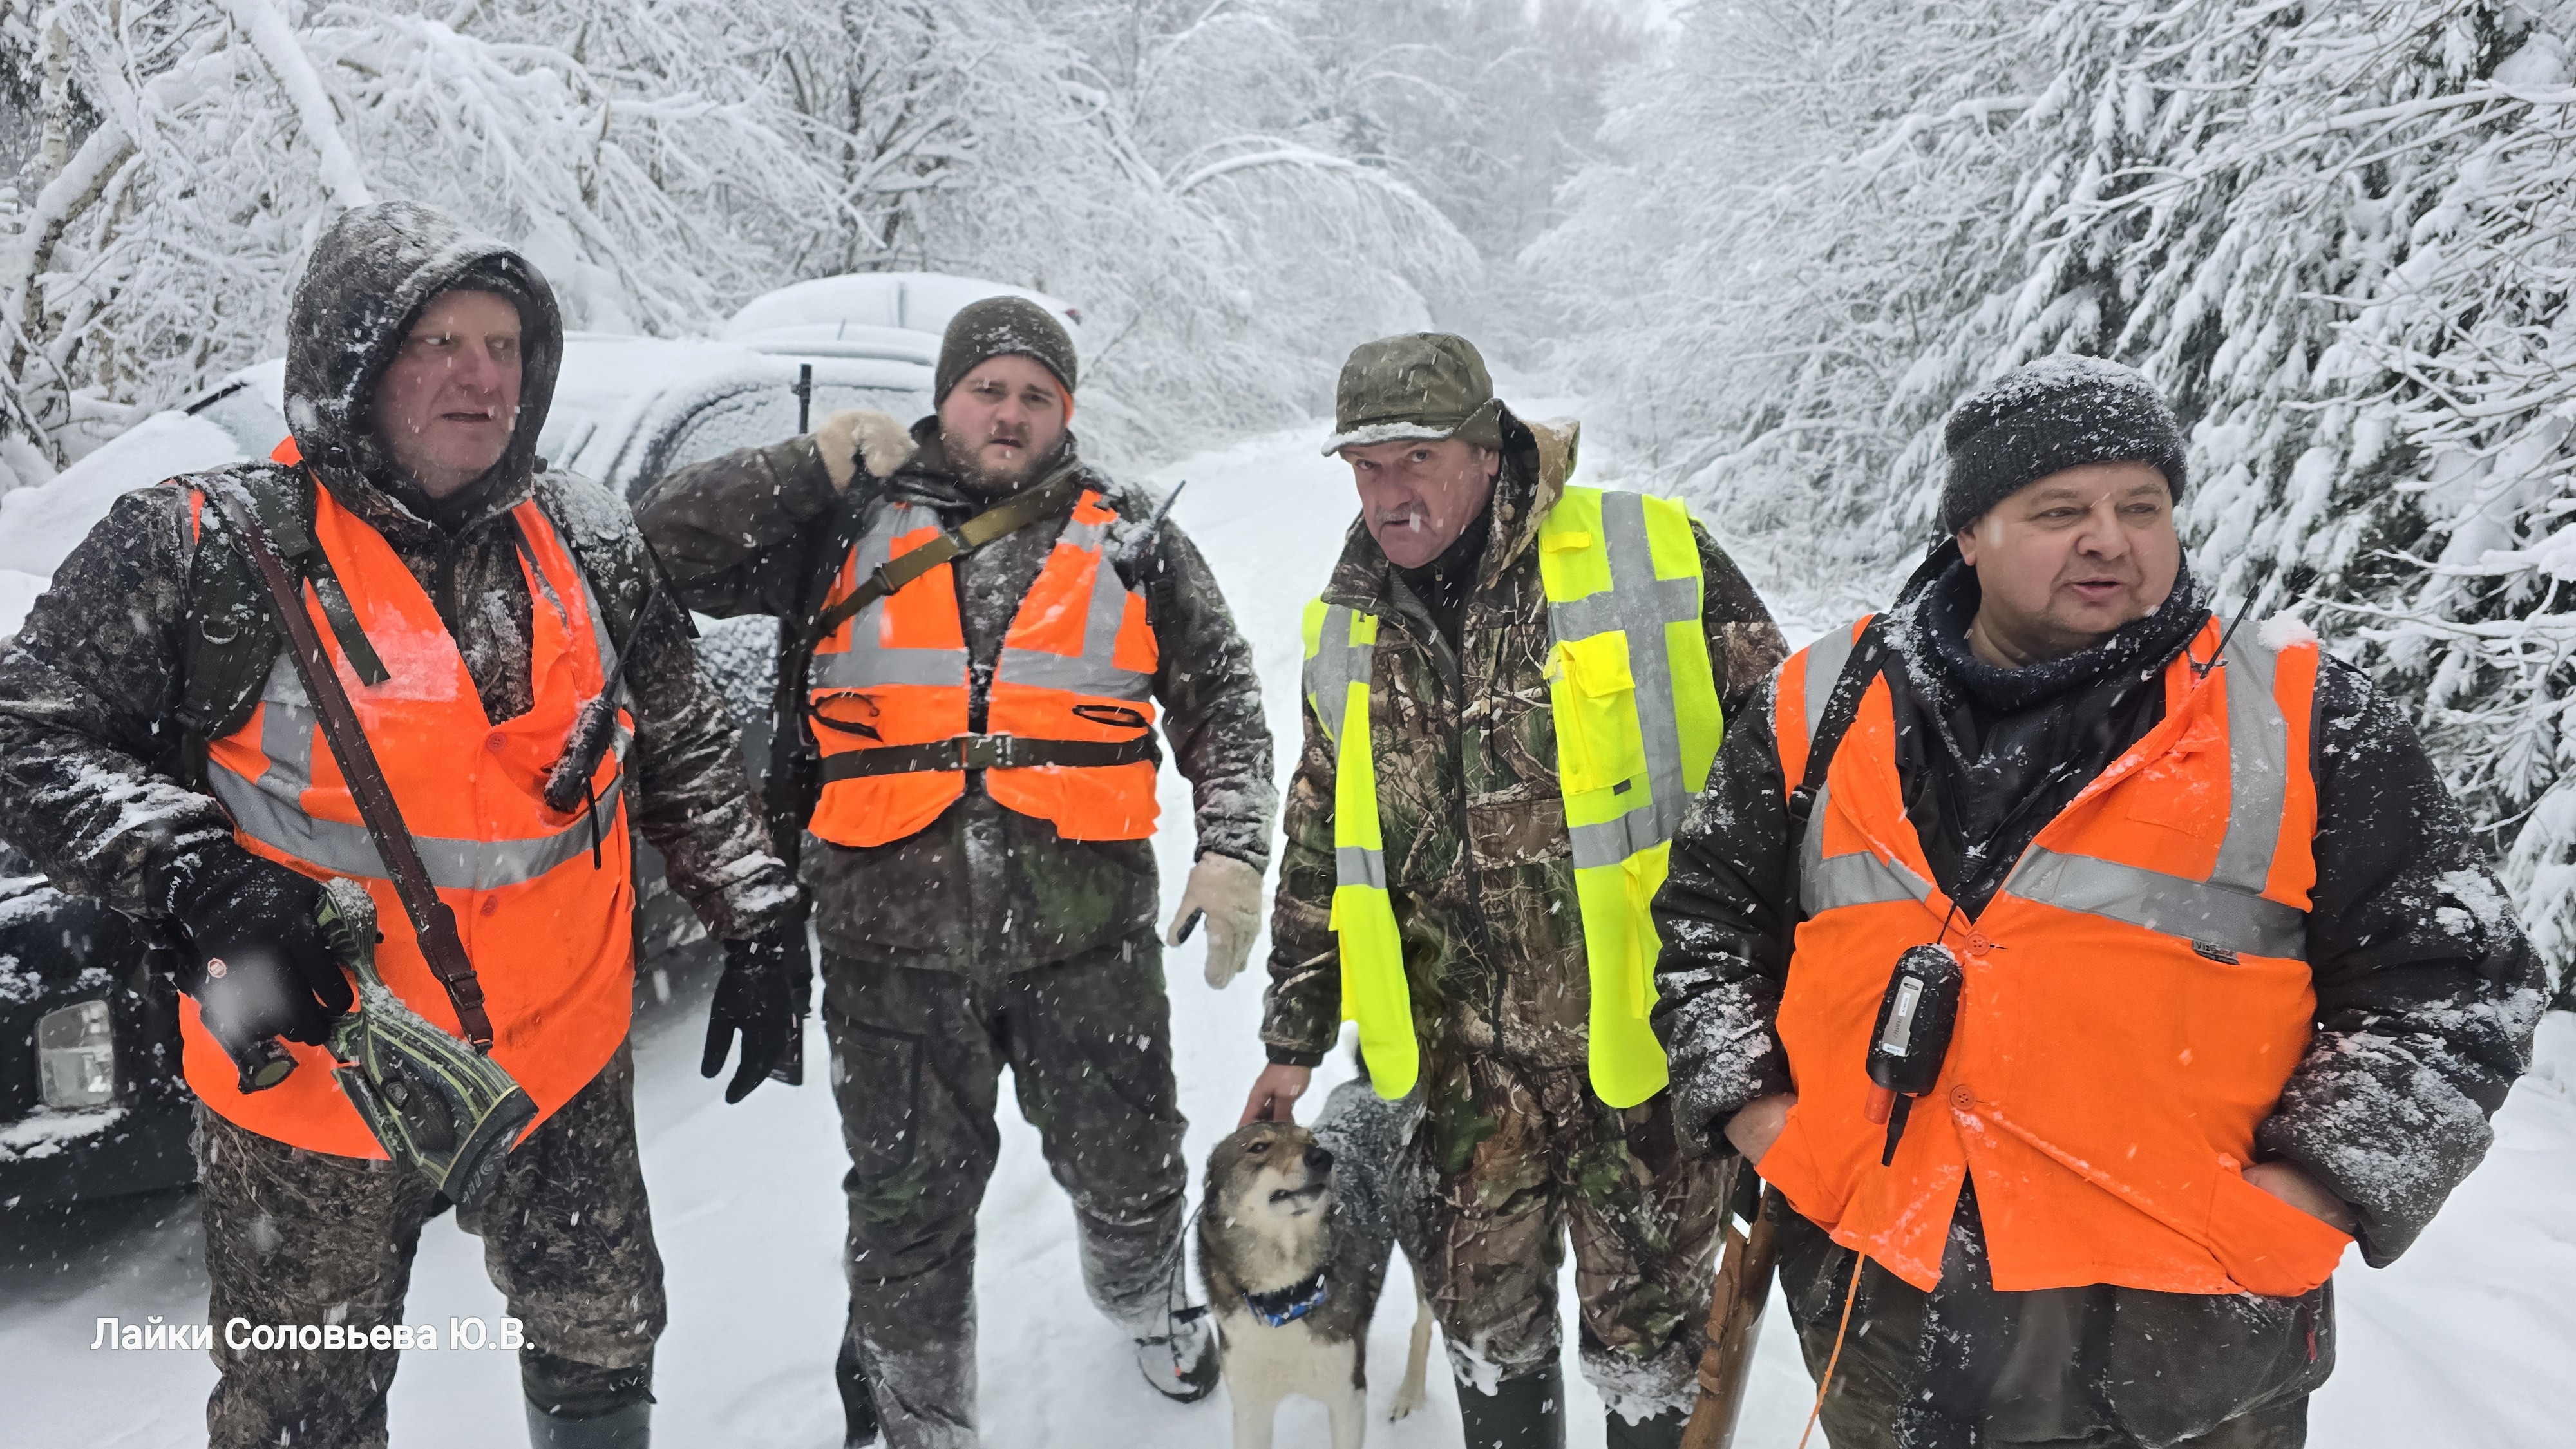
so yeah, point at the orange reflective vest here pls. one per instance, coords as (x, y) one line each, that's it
(889, 694)
(2135, 997)
(548, 928)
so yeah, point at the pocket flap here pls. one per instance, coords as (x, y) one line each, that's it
(1598, 666)
(2264, 1243)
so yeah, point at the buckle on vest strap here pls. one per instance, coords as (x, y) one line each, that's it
(983, 752)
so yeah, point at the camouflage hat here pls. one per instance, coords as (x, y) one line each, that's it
(1418, 385)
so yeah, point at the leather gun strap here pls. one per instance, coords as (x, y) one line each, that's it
(1006, 517)
(431, 918)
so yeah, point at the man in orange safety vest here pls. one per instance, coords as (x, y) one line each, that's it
(2083, 971)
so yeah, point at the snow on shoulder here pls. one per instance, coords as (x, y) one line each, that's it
(2283, 631)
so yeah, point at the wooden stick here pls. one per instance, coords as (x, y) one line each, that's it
(1734, 1325)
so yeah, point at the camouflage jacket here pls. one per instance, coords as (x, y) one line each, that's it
(984, 890)
(1478, 857)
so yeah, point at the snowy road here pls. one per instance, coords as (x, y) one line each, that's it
(2458, 1345)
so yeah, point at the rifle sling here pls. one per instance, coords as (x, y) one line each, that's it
(1006, 517)
(431, 918)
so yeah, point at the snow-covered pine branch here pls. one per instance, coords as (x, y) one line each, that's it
(2338, 237)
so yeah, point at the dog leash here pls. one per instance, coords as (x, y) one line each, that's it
(1177, 1309)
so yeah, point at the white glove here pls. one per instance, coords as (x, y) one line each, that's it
(858, 435)
(1230, 892)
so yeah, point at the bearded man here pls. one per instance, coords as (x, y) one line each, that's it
(987, 627)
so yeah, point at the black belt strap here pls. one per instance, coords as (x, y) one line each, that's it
(988, 752)
(431, 918)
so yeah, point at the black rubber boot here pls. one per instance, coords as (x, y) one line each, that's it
(630, 1427)
(1523, 1413)
(573, 1405)
(1181, 1362)
(1663, 1431)
(858, 1402)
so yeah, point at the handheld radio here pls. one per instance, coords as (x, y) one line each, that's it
(1912, 1037)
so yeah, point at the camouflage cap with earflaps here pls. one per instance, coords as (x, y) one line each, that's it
(1418, 385)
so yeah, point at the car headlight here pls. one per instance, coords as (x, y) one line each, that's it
(76, 1056)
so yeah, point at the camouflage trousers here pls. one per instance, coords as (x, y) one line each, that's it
(297, 1237)
(1512, 1161)
(917, 1057)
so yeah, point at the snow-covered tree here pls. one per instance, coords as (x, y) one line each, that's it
(1172, 168)
(2336, 235)
(652, 175)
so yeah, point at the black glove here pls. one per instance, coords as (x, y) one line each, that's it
(258, 963)
(767, 986)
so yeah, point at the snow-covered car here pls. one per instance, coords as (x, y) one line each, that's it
(90, 1104)
(896, 316)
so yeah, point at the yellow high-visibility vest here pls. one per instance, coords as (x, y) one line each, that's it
(1637, 727)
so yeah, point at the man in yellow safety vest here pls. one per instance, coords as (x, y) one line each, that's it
(1514, 688)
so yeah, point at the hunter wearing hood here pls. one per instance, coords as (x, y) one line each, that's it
(1514, 686)
(985, 626)
(2204, 975)
(158, 750)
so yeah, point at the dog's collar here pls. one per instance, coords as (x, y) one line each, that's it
(1282, 1306)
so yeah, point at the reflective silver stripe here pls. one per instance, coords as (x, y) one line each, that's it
(869, 662)
(286, 732)
(1613, 841)
(1824, 664)
(1095, 670)
(2258, 770)
(1858, 879)
(271, 808)
(1080, 674)
(2210, 914)
(1638, 605)
(1085, 536)
(1337, 665)
(2227, 910)
(1360, 866)
(453, 864)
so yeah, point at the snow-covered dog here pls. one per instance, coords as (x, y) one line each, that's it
(1294, 1237)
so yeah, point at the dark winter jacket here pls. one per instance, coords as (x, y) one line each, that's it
(91, 755)
(982, 889)
(1478, 857)
(2427, 993)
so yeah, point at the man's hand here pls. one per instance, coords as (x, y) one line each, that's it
(2291, 1184)
(261, 966)
(763, 995)
(1229, 891)
(1275, 1093)
(1756, 1125)
(861, 437)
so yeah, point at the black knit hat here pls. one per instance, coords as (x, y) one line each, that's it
(2057, 413)
(997, 327)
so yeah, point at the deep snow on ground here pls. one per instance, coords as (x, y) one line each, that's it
(2459, 1345)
